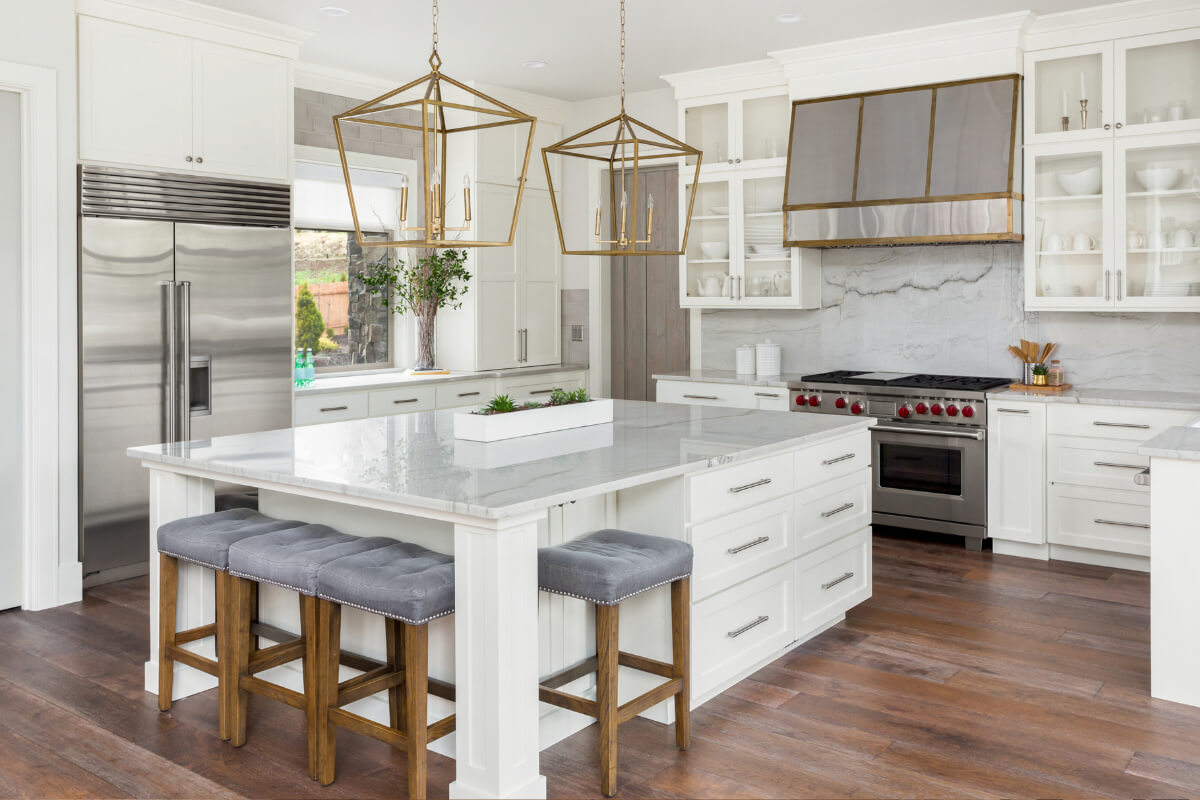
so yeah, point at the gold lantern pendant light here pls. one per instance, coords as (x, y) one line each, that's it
(627, 146)
(439, 119)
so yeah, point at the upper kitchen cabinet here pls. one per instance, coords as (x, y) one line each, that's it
(1157, 89)
(745, 128)
(148, 98)
(1057, 81)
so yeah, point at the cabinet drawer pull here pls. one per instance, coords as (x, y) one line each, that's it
(406, 400)
(468, 394)
(1013, 410)
(829, 461)
(754, 485)
(765, 394)
(847, 576)
(746, 627)
(760, 540)
(1120, 425)
(1121, 524)
(837, 510)
(702, 397)
(544, 391)
(1119, 466)
(335, 408)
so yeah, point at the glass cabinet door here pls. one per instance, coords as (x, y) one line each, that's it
(707, 129)
(1159, 82)
(706, 272)
(1159, 184)
(765, 124)
(1069, 262)
(767, 264)
(1058, 81)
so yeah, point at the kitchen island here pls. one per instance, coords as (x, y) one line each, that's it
(777, 507)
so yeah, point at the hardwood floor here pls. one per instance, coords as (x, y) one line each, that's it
(966, 674)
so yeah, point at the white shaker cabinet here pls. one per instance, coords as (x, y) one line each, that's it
(1017, 471)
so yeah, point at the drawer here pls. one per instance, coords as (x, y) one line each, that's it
(768, 398)
(385, 402)
(830, 510)
(330, 407)
(1102, 463)
(1113, 422)
(828, 460)
(722, 490)
(738, 546)
(465, 393)
(541, 390)
(1099, 519)
(833, 579)
(695, 393)
(735, 630)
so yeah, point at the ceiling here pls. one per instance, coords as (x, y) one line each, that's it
(490, 40)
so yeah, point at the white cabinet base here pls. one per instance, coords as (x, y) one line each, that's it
(1078, 555)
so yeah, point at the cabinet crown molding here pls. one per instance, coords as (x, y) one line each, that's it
(729, 78)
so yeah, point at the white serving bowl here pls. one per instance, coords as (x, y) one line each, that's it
(1085, 181)
(1158, 179)
(715, 250)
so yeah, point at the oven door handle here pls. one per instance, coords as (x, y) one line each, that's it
(949, 434)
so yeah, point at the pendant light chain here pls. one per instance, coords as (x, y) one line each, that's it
(622, 56)
(435, 20)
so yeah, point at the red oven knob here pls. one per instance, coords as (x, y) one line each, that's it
(922, 408)
(952, 410)
(801, 400)
(857, 408)
(815, 400)
(904, 411)
(936, 410)
(840, 402)
(968, 411)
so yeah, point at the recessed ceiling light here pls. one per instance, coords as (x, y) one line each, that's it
(788, 18)
(535, 64)
(334, 11)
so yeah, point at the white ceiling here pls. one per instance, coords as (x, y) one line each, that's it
(489, 40)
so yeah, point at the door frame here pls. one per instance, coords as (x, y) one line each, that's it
(51, 573)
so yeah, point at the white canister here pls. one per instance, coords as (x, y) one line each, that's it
(769, 357)
(745, 360)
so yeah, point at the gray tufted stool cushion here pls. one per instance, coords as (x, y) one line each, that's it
(402, 581)
(608, 566)
(206, 539)
(291, 558)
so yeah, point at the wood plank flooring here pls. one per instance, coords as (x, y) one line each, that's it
(966, 674)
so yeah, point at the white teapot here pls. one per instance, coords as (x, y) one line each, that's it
(714, 284)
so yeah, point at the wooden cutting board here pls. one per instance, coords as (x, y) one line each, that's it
(1022, 387)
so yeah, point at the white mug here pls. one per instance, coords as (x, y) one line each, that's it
(1054, 243)
(1134, 240)
(1083, 242)
(1182, 239)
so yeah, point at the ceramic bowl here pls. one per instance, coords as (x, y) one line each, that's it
(1085, 181)
(715, 250)
(1158, 179)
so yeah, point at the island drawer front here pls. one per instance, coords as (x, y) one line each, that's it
(727, 489)
(385, 402)
(1113, 422)
(831, 510)
(833, 459)
(694, 393)
(1103, 463)
(833, 579)
(737, 546)
(331, 407)
(1099, 519)
(734, 630)
(541, 389)
(465, 393)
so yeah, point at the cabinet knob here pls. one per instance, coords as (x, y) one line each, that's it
(199, 159)
(1107, 126)
(737, 161)
(1120, 125)
(187, 159)
(731, 161)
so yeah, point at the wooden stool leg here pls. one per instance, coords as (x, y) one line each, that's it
(168, 593)
(240, 614)
(393, 632)
(330, 637)
(416, 705)
(607, 648)
(681, 617)
(224, 658)
(309, 630)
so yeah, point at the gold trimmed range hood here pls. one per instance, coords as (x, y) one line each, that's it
(930, 164)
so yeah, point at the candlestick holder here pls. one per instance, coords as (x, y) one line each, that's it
(1083, 114)
(1066, 123)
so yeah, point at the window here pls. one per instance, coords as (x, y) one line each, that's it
(345, 325)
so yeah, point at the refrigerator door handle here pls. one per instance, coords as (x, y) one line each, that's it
(184, 364)
(170, 409)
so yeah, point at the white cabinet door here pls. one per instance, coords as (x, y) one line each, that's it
(242, 112)
(496, 281)
(1017, 471)
(135, 95)
(540, 272)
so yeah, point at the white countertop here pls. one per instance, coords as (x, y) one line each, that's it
(1182, 441)
(1135, 398)
(414, 459)
(726, 376)
(357, 382)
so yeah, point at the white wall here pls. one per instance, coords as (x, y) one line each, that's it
(10, 336)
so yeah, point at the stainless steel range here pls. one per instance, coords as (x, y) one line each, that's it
(929, 447)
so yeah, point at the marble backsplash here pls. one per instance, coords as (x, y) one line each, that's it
(954, 310)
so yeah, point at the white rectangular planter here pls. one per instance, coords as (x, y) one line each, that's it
(494, 427)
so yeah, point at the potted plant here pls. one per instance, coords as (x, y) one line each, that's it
(1039, 374)
(433, 279)
(504, 418)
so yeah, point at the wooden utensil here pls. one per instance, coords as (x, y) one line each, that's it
(1012, 349)
(1050, 348)
(1046, 351)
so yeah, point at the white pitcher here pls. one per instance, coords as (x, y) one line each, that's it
(713, 284)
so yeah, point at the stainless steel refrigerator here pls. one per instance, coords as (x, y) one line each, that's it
(185, 334)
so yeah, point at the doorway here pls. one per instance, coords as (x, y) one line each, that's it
(649, 333)
(11, 479)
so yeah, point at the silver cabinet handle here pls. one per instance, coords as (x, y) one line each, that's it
(335, 408)
(847, 576)
(946, 434)
(545, 391)
(1120, 425)
(733, 551)
(741, 291)
(1121, 524)
(184, 320)
(837, 510)
(1120, 288)
(1108, 284)
(829, 461)
(468, 394)
(732, 283)
(748, 626)
(1142, 478)
(1013, 410)
(1118, 466)
(754, 485)
(405, 400)
(765, 394)
(701, 397)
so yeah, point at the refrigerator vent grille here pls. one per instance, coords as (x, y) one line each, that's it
(108, 192)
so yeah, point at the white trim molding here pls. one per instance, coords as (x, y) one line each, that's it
(51, 572)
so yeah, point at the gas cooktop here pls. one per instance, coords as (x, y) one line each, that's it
(908, 380)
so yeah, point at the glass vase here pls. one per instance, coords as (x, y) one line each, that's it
(425, 342)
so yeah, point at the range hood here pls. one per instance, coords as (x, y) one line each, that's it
(926, 164)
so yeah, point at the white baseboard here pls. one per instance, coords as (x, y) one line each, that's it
(1002, 547)
(1078, 555)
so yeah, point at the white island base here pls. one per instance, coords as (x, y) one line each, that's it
(778, 515)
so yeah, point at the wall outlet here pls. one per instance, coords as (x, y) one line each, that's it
(576, 333)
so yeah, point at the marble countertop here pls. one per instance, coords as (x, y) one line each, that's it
(726, 376)
(1182, 441)
(1137, 398)
(352, 382)
(414, 459)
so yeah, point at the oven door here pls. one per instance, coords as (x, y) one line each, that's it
(930, 473)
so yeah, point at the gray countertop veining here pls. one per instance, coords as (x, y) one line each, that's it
(1182, 441)
(414, 459)
(357, 382)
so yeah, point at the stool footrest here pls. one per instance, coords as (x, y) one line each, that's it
(580, 705)
(276, 655)
(591, 664)
(643, 664)
(193, 660)
(443, 727)
(637, 705)
(273, 691)
(377, 680)
(195, 634)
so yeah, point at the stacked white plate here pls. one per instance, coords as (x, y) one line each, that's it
(1062, 291)
(1171, 289)
(767, 251)
(764, 240)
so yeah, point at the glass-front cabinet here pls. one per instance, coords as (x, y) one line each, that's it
(1057, 84)
(748, 128)
(1157, 83)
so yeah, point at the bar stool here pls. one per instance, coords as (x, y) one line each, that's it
(408, 586)
(203, 540)
(605, 568)
(288, 558)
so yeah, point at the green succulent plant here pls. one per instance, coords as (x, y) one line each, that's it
(500, 404)
(1040, 369)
